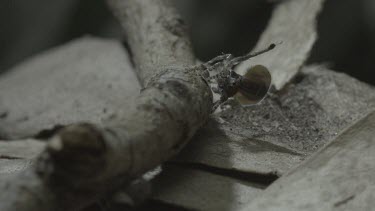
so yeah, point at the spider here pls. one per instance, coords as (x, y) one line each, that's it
(249, 89)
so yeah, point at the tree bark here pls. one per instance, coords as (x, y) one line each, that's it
(83, 161)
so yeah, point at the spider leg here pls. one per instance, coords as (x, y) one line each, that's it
(237, 60)
(213, 63)
(223, 98)
(219, 59)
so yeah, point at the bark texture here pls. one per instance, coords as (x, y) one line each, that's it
(156, 36)
(84, 161)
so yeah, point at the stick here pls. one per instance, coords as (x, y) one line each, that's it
(83, 162)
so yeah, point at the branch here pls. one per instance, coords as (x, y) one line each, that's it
(155, 34)
(83, 161)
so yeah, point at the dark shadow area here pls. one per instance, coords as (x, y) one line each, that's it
(30, 27)
(148, 205)
(94, 18)
(346, 38)
(263, 180)
(224, 26)
(346, 29)
(37, 25)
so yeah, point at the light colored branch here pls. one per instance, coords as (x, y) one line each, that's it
(156, 35)
(82, 162)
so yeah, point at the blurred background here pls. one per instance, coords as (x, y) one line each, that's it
(346, 29)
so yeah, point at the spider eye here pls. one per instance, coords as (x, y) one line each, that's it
(254, 85)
